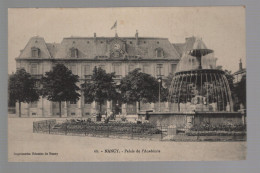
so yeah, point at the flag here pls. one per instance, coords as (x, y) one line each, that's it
(114, 26)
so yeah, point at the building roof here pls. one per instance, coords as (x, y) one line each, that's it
(243, 71)
(38, 42)
(92, 47)
(180, 47)
(190, 44)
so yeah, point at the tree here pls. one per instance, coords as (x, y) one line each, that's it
(60, 85)
(240, 91)
(168, 80)
(21, 88)
(100, 88)
(138, 86)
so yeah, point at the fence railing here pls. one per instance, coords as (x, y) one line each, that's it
(133, 131)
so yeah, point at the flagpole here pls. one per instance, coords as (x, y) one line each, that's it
(116, 29)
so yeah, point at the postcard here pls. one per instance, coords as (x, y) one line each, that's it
(127, 84)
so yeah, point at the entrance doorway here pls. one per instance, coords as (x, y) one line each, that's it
(117, 107)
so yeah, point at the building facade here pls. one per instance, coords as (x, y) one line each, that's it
(155, 56)
(238, 75)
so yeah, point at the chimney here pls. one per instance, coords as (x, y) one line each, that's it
(240, 65)
(136, 37)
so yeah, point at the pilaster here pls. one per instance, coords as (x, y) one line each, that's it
(124, 109)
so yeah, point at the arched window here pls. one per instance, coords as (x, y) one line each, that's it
(74, 53)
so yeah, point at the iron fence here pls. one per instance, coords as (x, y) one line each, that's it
(134, 131)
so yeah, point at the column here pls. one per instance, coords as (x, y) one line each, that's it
(40, 107)
(137, 107)
(109, 107)
(65, 110)
(25, 110)
(47, 108)
(123, 69)
(124, 112)
(167, 109)
(153, 107)
(17, 109)
(79, 110)
(93, 107)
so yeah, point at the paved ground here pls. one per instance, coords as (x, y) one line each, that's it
(21, 140)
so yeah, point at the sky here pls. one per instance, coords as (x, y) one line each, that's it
(221, 28)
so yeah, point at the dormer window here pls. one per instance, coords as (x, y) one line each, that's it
(74, 53)
(159, 52)
(35, 52)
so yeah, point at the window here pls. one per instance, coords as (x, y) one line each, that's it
(73, 102)
(117, 69)
(55, 105)
(146, 69)
(159, 53)
(102, 66)
(73, 69)
(33, 104)
(87, 70)
(73, 53)
(33, 69)
(193, 61)
(173, 68)
(158, 42)
(130, 42)
(35, 52)
(144, 42)
(131, 67)
(159, 70)
(23, 66)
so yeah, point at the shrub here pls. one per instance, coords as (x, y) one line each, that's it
(123, 119)
(205, 126)
(89, 120)
(106, 120)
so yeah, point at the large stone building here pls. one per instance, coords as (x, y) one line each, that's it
(155, 56)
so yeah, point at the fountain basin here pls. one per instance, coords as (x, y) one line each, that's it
(188, 119)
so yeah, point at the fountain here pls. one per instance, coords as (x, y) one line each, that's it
(198, 85)
(199, 92)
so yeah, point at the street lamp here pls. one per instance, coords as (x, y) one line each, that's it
(159, 80)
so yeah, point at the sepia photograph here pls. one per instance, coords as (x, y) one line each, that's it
(127, 84)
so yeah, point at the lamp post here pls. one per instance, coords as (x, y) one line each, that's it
(159, 80)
